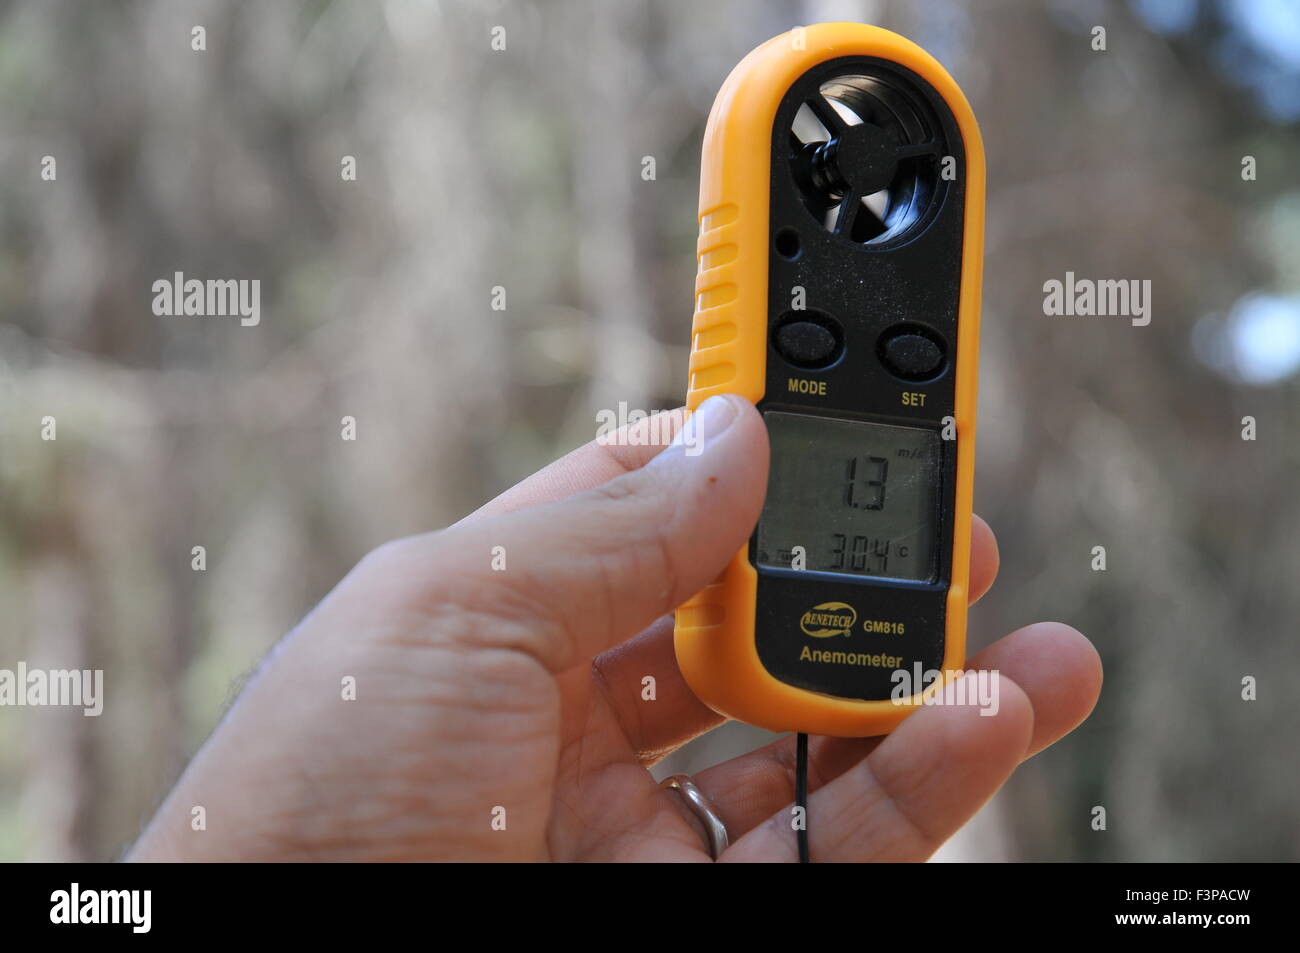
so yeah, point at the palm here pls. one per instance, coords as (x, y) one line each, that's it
(607, 805)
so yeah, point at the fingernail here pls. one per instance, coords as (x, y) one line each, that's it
(709, 422)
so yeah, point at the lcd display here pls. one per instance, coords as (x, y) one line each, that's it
(859, 498)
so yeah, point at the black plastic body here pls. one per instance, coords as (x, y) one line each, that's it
(866, 289)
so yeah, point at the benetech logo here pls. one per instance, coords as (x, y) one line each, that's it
(828, 619)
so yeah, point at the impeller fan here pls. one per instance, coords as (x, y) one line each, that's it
(865, 158)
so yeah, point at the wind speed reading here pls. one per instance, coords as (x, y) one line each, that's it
(860, 498)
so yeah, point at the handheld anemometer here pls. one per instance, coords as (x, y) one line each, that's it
(840, 249)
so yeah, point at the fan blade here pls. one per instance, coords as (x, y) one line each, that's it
(915, 149)
(870, 224)
(827, 115)
(877, 203)
(806, 127)
(848, 214)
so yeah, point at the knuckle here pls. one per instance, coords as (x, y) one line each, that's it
(891, 798)
(390, 556)
(645, 527)
(479, 613)
(458, 605)
(621, 489)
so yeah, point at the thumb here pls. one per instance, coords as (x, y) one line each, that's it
(572, 578)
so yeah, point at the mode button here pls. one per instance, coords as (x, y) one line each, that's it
(806, 344)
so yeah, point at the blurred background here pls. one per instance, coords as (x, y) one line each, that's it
(522, 169)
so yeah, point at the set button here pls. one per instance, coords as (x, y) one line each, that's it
(911, 352)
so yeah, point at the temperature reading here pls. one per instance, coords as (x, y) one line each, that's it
(860, 498)
(860, 554)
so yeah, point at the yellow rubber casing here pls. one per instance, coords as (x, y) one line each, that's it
(714, 634)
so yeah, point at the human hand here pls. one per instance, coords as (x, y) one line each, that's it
(478, 690)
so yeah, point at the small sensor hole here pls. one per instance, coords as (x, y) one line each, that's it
(787, 244)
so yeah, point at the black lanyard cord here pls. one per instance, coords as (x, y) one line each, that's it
(801, 794)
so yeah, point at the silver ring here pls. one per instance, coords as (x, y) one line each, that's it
(700, 806)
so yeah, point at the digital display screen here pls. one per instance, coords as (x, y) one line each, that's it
(859, 498)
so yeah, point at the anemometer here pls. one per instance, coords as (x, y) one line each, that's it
(841, 238)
